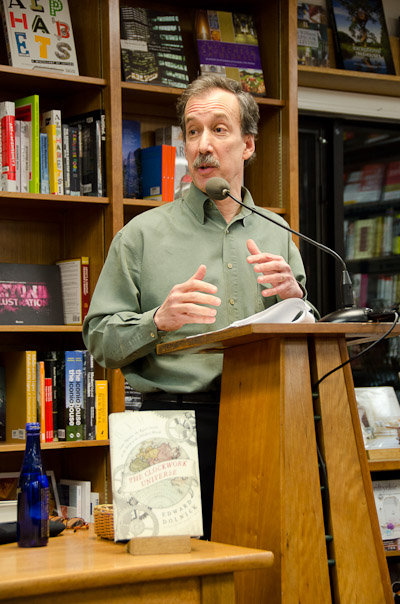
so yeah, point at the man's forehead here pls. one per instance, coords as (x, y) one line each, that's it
(218, 102)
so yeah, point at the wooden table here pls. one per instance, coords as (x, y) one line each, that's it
(80, 567)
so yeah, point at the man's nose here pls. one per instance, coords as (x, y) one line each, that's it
(205, 142)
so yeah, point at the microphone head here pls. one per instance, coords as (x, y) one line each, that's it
(217, 188)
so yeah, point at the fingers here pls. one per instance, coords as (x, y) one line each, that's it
(275, 271)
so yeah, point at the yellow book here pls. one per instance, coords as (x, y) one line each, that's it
(51, 125)
(20, 368)
(101, 393)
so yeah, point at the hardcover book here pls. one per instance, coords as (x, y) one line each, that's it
(172, 135)
(27, 110)
(8, 178)
(391, 187)
(158, 172)
(39, 36)
(131, 143)
(75, 289)
(20, 380)
(155, 474)
(312, 35)
(152, 47)
(228, 45)
(30, 294)
(50, 124)
(101, 405)
(361, 36)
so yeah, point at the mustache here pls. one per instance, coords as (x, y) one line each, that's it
(205, 159)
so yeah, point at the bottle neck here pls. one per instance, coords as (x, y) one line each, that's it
(32, 449)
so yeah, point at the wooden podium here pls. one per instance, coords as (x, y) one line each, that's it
(327, 544)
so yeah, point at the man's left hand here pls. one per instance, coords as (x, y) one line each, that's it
(275, 271)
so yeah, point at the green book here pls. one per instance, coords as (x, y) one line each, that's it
(27, 110)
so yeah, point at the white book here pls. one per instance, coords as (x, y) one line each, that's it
(85, 488)
(387, 501)
(25, 155)
(7, 133)
(70, 495)
(18, 155)
(26, 23)
(155, 474)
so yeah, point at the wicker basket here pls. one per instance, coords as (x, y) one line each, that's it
(104, 521)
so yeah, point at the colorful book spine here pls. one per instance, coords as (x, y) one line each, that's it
(40, 398)
(101, 395)
(44, 163)
(7, 126)
(51, 125)
(25, 151)
(75, 163)
(18, 156)
(89, 396)
(48, 395)
(66, 159)
(27, 109)
(79, 403)
(70, 428)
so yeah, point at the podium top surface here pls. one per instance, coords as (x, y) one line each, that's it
(217, 341)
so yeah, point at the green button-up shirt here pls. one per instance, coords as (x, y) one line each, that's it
(155, 251)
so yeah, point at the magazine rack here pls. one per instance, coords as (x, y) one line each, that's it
(267, 484)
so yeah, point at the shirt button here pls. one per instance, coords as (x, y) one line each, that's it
(153, 335)
(231, 301)
(227, 232)
(230, 265)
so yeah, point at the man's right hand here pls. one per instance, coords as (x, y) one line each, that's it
(184, 303)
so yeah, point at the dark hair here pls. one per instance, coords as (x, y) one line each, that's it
(249, 112)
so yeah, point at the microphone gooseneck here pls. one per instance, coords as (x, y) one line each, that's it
(218, 189)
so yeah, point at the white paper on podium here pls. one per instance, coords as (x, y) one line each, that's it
(291, 310)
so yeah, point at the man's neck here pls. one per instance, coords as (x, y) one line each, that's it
(228, 208)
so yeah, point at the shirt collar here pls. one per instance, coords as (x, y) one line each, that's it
(196, 199)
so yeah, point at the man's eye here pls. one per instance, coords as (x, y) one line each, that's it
(219, 130)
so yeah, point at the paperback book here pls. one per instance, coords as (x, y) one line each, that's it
(152, 49)
(361, 36)
(228, 45)
(27, 110)
(312, 35)
(30, 294)
(131, 143)
(39, 36)
(155, 474)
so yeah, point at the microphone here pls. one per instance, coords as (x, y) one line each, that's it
(218, 188)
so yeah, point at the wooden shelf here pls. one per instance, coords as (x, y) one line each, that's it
(13, 447)
(348, 81)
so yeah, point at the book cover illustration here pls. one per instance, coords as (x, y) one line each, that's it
(361, 36)
(30, 294)
(131, 144)
(387, 501)
(312, 35)
(39, 36)
(155, 474)
(152, 47)
(228, 45)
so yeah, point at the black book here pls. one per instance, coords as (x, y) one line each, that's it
(30, 294)
(50, 371)
(89, 395)
(361, 36)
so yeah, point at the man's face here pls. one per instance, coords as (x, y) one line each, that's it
(215, 145)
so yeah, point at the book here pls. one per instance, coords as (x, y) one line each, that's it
(94, 500)
(379, 412)
(40, 399)
(75, 160)
(75, 289)
(27, 110)
(92, 135)
(101, 398)
(60, 394)
(44, 163)
(155, 474)
(85, 488)
(8, 180)
(227, 44)
(387, 501)
(49, 359)
(312, 35)
(20, 378)
(172, 135)
(89, 396)
(391, 187)
(18, 156)
(364, 238)
(2, 403)
(78, 396)
(39, 36)
(66, 158)
(30, 294)
(48, 401)
(50, 124)
(371, 182)
(352, 187)
(152, 48)
(70, 428)
(25, 157)
(156, 171)
(131, 144)
(361, 36)
(70, 495)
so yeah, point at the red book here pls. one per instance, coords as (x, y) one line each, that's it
(8, 178)
(48, 398)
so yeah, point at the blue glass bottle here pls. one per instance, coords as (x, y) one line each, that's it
(33, 494)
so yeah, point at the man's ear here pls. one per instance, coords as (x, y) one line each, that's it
(250, 146)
